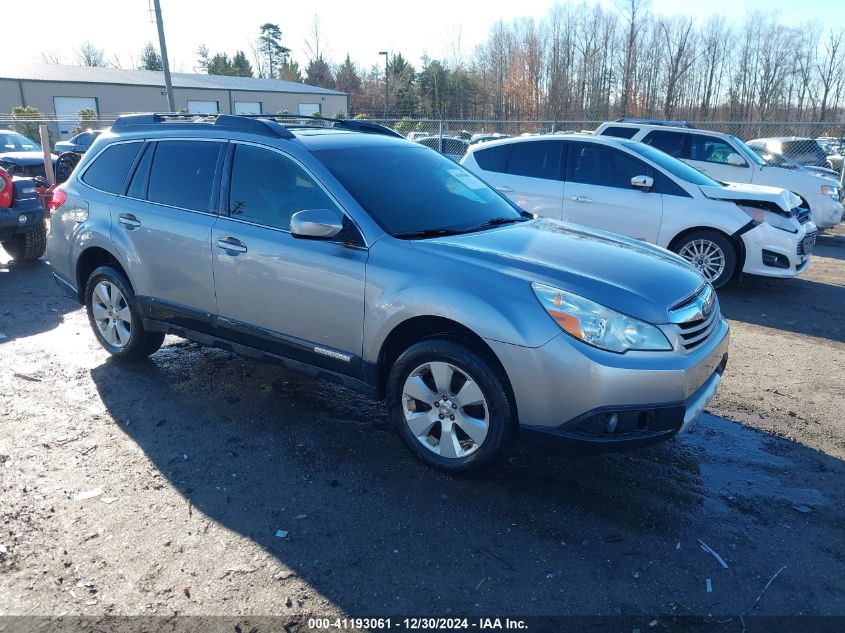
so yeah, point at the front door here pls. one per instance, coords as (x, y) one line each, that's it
(599, 194)
(302, 299)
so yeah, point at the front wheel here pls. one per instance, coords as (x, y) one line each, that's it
(711, 253)
(114, 316)
(451, 406)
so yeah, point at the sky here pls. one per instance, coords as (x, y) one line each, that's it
(441, 28)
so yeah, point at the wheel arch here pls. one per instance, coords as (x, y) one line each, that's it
(421, 328)
(88, 261)
(734, 238)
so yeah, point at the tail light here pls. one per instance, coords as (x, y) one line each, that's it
(58, 199)
(7, 189)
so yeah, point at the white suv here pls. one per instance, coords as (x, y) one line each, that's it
(633, 189)
(726, 158)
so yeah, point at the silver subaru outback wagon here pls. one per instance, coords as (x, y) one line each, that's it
(347, 253)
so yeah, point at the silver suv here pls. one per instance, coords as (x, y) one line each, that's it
(356, 256)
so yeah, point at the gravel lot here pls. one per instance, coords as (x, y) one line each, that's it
(199, 458)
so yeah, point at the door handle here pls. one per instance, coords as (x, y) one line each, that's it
(505, 189)
(581, 199)
(128, 220)
(231, 244)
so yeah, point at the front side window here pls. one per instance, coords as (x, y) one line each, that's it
(677, 168)
(268, 188)
(709, 149)
(536, 159)
(408, 190)
(109, 170)
(605, 166)
(182, 174)
(671, 143)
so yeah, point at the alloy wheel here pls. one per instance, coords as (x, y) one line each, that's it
(111, 314)
(706, 256)
(445, 409)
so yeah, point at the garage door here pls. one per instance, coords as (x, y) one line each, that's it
(307, 109)
(67, 111)
(247, 107)
(203, 107)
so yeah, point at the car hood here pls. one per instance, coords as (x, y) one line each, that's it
(758, 193)
(24, 158)
(629, 276)
(779, 174)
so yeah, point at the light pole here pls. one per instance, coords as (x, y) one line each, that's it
(171, 104)
(385, 82)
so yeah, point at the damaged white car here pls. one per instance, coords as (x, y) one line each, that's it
(634, 189)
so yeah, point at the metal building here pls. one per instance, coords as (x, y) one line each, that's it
(64, 90)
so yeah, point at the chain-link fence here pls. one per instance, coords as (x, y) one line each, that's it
(819, 145)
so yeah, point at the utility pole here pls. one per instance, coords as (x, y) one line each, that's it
(171, 102)
(385, 82)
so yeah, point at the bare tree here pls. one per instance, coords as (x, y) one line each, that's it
(53, 56)
(90, 55)
(830, 69)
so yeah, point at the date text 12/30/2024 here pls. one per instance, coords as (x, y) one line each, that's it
(417, 624)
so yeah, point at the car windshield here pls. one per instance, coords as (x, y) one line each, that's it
(13, 142)
(412, 190)
(672, 165)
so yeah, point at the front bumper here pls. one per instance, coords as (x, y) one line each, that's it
(826, 211)
(771, 252)
(567, 393)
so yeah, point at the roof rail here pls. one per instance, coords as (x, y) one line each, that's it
(264, 124)
(631, 119)
(356, 125)
(190, 121)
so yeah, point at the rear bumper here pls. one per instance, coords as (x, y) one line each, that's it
(10, 224)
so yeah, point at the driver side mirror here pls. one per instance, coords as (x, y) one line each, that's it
(316, 224)
(643, 183)
(735, 160)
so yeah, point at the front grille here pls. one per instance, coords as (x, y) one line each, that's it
(809, 237)
(696, 317)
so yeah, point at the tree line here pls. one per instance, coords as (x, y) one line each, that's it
(580, 62)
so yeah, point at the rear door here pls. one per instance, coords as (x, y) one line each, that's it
(531, 176)
(599, 194)
(162, 226)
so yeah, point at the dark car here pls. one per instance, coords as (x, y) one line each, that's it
(450, 146)
(22, 230)
(20, 155)
(804, 151)
(79, 143)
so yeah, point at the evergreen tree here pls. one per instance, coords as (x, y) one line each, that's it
(150, 59)
(241, 65)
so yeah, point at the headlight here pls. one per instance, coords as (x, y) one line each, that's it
(830, 190)
(597, 325)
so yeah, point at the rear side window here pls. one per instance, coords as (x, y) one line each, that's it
(535, 159)
(268, 188)
(182, 174)
(605, 166)
(670, 142)
(492, 159)
(619, 132)
(109, 170)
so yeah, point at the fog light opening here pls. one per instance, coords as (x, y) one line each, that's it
(22, 218)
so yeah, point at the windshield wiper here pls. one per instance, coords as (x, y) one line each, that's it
(498, 222)
(411, 235)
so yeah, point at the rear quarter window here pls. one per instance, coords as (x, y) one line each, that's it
(493, 158)
(619, 131)
(109, 169)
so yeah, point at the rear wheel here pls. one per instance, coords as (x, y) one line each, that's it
(450, 406)
(28, 246)
(114, 316)
(711, 253)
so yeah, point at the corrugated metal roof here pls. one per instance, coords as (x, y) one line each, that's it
(87, 74)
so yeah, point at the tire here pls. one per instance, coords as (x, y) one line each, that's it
(65, 164)
(127, 339)
(29, 246)
(470, 375)
(711, 252)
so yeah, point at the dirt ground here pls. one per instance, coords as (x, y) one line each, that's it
(194, 460)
